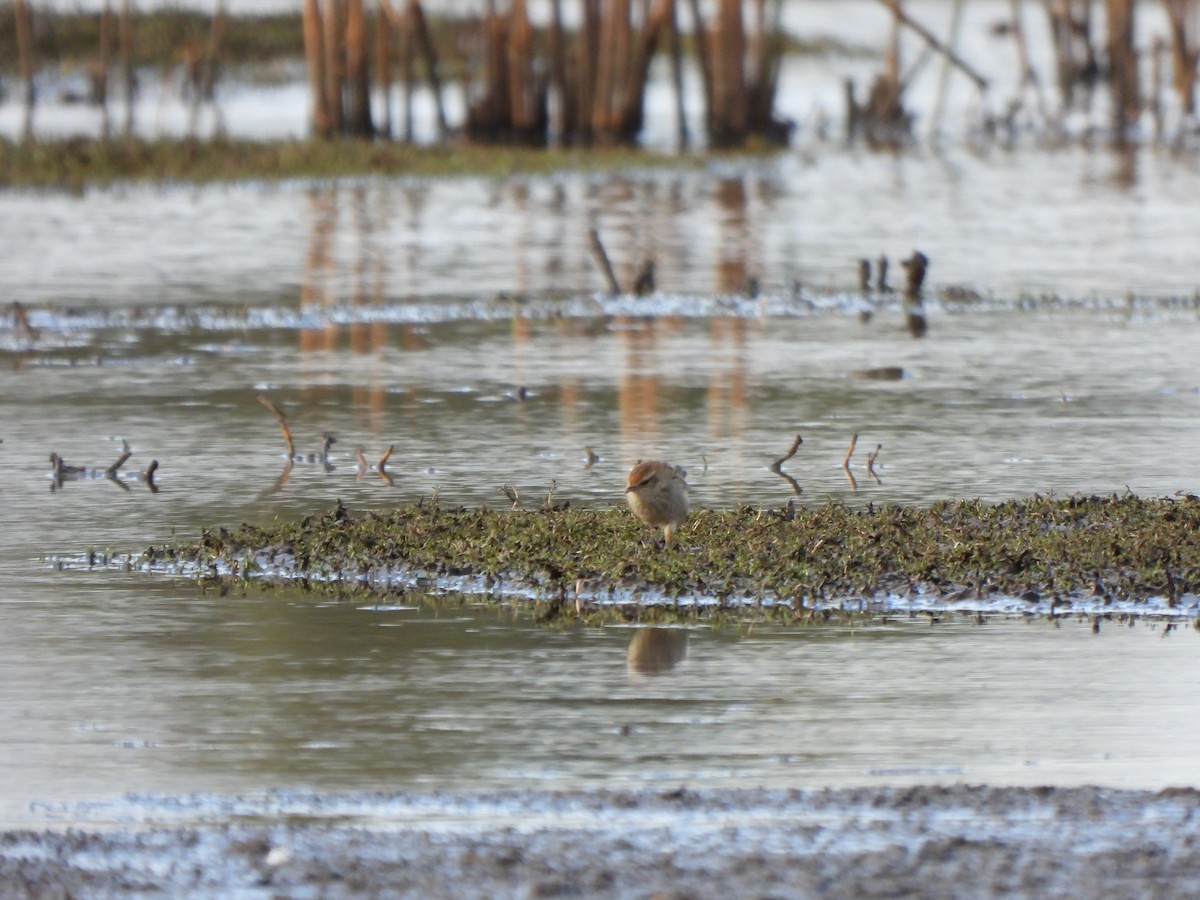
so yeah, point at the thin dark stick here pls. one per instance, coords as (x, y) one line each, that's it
(283, 424)
(850, 452)
(871, 457)
(111, 471)
(775, 466)
(614, 286)
(21, 321)
(932, 41)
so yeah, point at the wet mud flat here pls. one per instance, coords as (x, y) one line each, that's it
(929, 841)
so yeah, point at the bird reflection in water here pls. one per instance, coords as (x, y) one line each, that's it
(654, 651)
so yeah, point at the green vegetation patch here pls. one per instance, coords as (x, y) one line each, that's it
(796, 560)
(81, 162)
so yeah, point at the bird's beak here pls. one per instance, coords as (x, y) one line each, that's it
(630, 488)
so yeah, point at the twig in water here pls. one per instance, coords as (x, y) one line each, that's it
(881, 284)
(915, 267)
(850, 452)
(63, 472)
(775, 466)
(283, 423)
(864, 275)
(644, 283)
(592, 458)
(511, 493)
(614, 286)
(114, 469)
(382, 467)
(148, 476)
(871, 457)
(846, 463)
(362, 462)
(21, 322)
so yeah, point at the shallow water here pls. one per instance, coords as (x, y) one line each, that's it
(410, 315)
(129, 683)
(239, 694)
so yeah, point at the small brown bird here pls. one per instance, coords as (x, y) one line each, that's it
(657, 494)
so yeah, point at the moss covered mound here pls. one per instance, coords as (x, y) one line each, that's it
(1038, 550)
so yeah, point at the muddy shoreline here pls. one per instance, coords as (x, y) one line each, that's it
(929, 841)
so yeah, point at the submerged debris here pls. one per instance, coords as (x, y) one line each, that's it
(1114, 554)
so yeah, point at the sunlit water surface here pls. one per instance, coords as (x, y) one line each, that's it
(460, 323)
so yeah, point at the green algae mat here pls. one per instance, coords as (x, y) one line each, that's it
(1090, 555)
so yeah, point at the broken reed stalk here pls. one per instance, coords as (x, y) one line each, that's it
(1123, 62)
(111, 471)
(915, 268)
(358, 77)
(216, 35)
(644, 283)
(24, 29)
(125, 48)
(1156, 87)
(614, 287)
(675, 48)
(1028, 74)
(148, 476)
(424, 40)
(871, 457)
(703, 60)
(881, 283)
(314, 53)
(21, 321)
(383, 63)
(1185, 51)
(864, 275)
(796, 442)
(512, 107)
(931, 39)
(939, 103)
(408, 70)
(382, 467)
(283, 424)
(332, 64)
(846, 463)
(730, 115)
(850, 451)
(100, 73)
